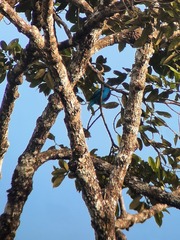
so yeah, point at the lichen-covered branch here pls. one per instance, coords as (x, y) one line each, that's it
(126, 36)
(85, 171)
(131, 124)
(53, 154)
(21, 185)
(131, 219)
(30, 31)
(10, 95)
(14, 78)
(172, 199)
(12, 3)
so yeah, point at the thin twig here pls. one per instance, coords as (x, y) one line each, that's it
(90, 125)
(59, 21)
(107, 129)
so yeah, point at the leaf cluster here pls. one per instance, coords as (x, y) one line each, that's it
(10, 54)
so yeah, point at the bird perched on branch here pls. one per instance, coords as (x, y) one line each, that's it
(100, 96)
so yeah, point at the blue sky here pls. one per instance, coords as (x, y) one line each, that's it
(60, 213)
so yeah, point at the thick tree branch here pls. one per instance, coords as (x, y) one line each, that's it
(12, 3)
(14, 79)
(137, 186)
(37, 14)
(140, 187)
(85, 169)
(22, 177)
(10, 95)
(83, 5)
(131, 219)
(126, 36)
(53, 154)
(105, 168)
(131, 124)
(30, 31)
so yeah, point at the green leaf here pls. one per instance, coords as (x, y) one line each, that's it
(126, 85)
(153, 78)
(2, 77)
(119, 123)
(3, 45)
(111, 105)
(100, 60)
(63, 164)
(165, 142)
(176, 137)
(92, 152)
(135, 203)
(51, 136)
(152, 163)
(164, 114)
(169, 58)
(140, 144)
(143, 128)
(58, 172)
(71, 14)
(158, 162)
(173, 69)
(124, 100)
(136, 158)
(12, 45)
(119, 139)
(57, 181)
(174, 44)
(117, 80)
(164, 95)
(86, 133)
(49, 80)
(160, 122)
(106, 68)
(40, 73)
(28, 14)
(158, 218)
(34, 83)
(121, 46)
(145, 139)
(44, 88)
(153, 95)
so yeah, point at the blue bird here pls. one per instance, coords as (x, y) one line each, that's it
(97, 97)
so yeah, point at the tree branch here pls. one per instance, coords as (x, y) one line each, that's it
(131, 219)
(59, 21)
(14, 78)
(131, 124)
(85, 170)
(131, 181)
(12, 3)
(83, 5)
(10, 95)
(30, 31)
(126, 36)
(53, 154)
(137, 186)
(22, 177)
